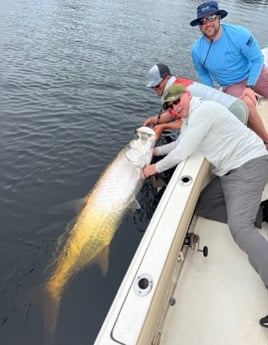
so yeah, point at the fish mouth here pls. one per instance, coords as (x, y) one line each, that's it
(140, 146)
(145, 135)
(145, 130)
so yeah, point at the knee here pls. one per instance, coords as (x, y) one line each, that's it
(242, 234)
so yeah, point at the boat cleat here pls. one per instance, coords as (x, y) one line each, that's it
(192, 240)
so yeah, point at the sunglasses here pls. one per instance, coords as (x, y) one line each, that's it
(157, 86)
(167, 106)
(208, 19)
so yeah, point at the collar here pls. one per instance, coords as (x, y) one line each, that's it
(168, 84)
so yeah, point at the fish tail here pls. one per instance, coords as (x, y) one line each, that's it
(50, 305)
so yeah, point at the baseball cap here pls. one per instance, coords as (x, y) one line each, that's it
(173, 93)
(157, 73)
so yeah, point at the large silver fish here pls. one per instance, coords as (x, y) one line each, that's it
(90, 237)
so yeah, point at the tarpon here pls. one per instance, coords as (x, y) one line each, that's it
(89, 239)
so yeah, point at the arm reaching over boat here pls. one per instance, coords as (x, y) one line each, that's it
(160, 79)
(162, 122)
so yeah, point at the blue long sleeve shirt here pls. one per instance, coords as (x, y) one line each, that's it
(234, 57)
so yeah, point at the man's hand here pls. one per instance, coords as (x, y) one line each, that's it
(158, 130)
(248, 92)
(149, 170)
(150, 122)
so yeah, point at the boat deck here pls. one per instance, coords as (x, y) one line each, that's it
(219, 298)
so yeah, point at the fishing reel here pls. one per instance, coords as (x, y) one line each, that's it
(192, 240)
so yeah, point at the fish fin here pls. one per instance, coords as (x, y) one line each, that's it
(50, 309)
(73, 205)
(39, 297)
(157, 182)
(102, 260)
(134, 205)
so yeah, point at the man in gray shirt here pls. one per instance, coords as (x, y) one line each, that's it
(239, 160)
(160, 79)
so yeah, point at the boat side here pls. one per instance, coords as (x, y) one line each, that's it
(143, 297)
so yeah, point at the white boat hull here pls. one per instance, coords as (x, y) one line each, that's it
(137, 312)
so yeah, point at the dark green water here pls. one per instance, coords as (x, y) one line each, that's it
(72, 79)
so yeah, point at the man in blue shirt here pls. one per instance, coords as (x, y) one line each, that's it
(230, 56)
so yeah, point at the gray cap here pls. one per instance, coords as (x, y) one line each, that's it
(157, 73)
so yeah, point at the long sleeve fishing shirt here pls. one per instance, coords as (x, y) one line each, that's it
(203, 91)
(212, 130)
(235, 56)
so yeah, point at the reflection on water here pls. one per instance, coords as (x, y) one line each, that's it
(72, 79)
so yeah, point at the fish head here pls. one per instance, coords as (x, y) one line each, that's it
(140, 148)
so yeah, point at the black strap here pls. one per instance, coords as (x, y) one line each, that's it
(205, 59)
(159, 115)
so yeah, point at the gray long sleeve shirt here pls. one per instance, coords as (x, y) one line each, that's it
(205, 92)
(212, 130)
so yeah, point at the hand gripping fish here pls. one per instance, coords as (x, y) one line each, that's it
(89, 239)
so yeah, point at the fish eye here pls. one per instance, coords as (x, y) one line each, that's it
(147, 136)
(136, 136)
